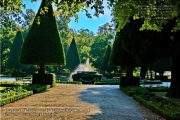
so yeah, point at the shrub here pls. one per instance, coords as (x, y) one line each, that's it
(45, 79)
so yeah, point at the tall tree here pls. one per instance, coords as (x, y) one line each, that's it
(72, 57)
(105, 63)
(13, 61)
(43, 46)
(84, 41)
(120, 57)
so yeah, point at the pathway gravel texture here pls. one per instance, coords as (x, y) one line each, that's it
(78, 102)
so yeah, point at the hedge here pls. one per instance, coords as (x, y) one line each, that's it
(36, 88)
(15, 97)
(168, 114)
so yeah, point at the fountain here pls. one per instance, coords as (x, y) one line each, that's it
(82, 67)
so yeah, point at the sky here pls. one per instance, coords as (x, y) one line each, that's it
(83, 22)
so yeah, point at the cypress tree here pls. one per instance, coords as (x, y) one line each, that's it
(43, 46)
(72, 57)
(13, 60)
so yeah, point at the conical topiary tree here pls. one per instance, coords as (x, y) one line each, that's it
(72, 57)
(13, 60)
(43, 46)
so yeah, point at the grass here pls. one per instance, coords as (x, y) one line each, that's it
(106, 81)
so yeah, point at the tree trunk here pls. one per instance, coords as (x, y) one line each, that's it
(174, 90)
(42, 69)
(129, 71)
(143, 71)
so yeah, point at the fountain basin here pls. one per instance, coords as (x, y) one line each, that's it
(87, 76)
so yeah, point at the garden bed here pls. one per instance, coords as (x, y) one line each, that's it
(159, 105)
(155, 101)
(10, 92)
(8, 95)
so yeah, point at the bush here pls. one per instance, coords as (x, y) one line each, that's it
(45, 79)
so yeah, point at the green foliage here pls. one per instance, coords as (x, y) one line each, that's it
(37, 88)
(12, 94)
(84, 41)
(159, 105)
(97, 49)
(42, 44)
(149, 11)
(72, 58)
(6, 42)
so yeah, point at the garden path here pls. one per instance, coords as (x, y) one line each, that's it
(78, 102)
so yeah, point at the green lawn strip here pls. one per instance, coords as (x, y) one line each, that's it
(107, 82)
(13, 98)
(69, 82)
(162, 107)
(10, 84)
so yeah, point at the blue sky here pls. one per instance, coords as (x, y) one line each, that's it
(83, 22)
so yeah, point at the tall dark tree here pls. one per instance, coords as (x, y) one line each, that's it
(13, 61)
(105, 63)
(120, 57)
(43, 46)
(72, 57)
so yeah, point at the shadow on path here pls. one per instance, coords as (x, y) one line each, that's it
(114, 104)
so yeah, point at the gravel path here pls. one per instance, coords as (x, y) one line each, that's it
(78, 102)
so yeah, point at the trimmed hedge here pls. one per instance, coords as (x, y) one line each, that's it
(15, 97)
(113, 82)
(45, 79)
(170, 114)
(36, 88)
(125, 82)
(69, 82)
